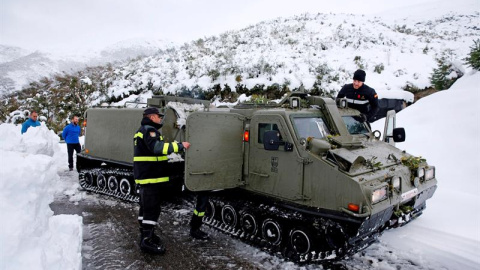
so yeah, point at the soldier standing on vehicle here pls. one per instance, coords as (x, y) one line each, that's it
(70, 134)
(31, 122)
(360, 96)
(151, 172)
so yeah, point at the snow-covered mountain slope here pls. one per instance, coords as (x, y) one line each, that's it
(18, 66)
(10, 53)
(21, 69)
(309, 49)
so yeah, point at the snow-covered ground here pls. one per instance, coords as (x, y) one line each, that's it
(31, 237)
(443, 128)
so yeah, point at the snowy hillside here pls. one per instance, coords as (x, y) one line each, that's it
(22, 69)
(19, 67)
(316, 50)
(10, 53)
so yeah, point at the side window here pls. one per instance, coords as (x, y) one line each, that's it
(311, 127)
(264, 127)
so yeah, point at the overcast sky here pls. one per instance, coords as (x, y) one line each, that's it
(83, 24)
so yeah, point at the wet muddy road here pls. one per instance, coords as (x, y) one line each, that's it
(111, 235)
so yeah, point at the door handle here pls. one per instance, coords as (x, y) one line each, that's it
(260, 174)
(201, 173)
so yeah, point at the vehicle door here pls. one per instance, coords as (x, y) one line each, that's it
(278, 172)
(215, 157)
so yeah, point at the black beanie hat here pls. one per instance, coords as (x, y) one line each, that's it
(359, 75)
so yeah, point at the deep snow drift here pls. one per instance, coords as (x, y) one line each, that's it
(30, 236)
(444, 128)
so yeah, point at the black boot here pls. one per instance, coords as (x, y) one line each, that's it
(148, 243)
(195, 231)
(156, 238)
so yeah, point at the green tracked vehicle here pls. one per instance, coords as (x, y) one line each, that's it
(305, 177)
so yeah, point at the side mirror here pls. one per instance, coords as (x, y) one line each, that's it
(271, 141)
(399, 135)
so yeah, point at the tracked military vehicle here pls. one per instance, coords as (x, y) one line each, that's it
(305, 178)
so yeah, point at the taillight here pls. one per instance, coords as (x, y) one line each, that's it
(246, 136)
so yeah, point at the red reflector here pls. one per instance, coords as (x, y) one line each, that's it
(353, 207)
(246, 136)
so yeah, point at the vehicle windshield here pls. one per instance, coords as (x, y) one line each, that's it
(311, 127)
(354, 124)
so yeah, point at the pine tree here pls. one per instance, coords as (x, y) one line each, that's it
(473, 58)
(446, 73)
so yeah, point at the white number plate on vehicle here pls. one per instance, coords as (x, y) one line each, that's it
(409, 194)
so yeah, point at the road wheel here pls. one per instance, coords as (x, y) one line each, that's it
(88, 179)
(248, 223)
(112, 183)
(335, 236)
(125, 187)
(101, 181)
(272, 231)
(229, 215)
(300, 241)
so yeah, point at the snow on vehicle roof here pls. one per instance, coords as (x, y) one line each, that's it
(183, 110)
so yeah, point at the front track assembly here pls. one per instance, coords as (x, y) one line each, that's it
(287, 233)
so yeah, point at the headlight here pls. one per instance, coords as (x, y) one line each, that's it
(396, 183)
(430, 173)
(379, 194)
(420, 173)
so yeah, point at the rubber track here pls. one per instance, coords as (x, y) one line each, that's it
(106, 191)
(311, 257)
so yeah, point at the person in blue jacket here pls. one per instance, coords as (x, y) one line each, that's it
(70, 134)
(31, 122)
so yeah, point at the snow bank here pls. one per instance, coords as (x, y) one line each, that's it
(31, 237)
(444, 129)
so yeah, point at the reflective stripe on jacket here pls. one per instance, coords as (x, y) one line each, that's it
(363, 99)
(150, 161)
